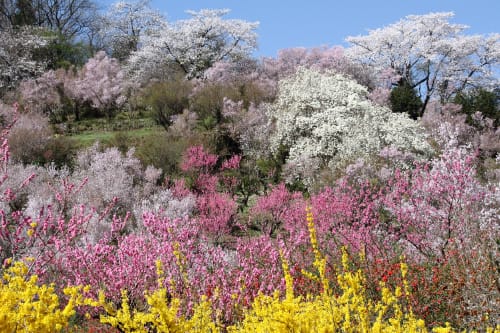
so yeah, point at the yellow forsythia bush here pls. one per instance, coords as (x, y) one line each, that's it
(350, 311)
(160, 314)
(26, 306)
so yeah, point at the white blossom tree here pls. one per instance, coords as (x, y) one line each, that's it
(195, 44)
(326, 119)
(430, 54)
(17, 61)
(126, 23)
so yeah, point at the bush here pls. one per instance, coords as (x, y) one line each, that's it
(60, 150)
(32, 142)
(27, 306)
(167, 99)
(162, 151)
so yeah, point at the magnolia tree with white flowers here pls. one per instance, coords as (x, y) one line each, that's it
(430, 54)
(326, 119)
(195, 44)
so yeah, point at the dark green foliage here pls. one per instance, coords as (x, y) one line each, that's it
(404, 99)
(60, 52)
(484, 101)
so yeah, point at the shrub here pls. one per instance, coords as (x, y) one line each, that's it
(28, 138)
(27, 306)
(163, 151)
(167, 99)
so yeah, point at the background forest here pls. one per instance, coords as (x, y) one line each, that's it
(157, 177)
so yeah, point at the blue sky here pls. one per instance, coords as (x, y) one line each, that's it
(292, 23)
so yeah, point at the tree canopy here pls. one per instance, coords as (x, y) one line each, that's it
(195, 44)
(430, 54)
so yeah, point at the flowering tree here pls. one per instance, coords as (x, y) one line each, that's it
(17, 56)
(43, 94)
(430, 54)
(101, 82)
(326, 118)
(319, 58)
(126, 23)
(195, 44)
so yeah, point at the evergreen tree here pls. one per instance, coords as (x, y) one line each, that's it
(405, 99)
(484, 101)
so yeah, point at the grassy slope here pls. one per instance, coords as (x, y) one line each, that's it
(86, 139)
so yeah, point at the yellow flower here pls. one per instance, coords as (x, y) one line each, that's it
(26, 306)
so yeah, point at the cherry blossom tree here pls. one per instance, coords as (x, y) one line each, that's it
(101, 82)
(43, 94)
(430, 54)
(126, 23)
(195, 44)
(320, 58)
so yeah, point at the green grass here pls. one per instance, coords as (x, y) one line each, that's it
(87, 139)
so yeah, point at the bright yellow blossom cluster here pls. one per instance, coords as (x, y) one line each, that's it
(162, 316)
(351, 311)
(26, 306)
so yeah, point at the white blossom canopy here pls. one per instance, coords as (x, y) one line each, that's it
(431, 54)
(195, 44)
(327, 118)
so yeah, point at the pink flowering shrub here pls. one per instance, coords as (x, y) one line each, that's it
(197, 159)
(271, 212)
(216, 207)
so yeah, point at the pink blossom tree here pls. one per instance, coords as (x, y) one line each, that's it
(101, 82)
